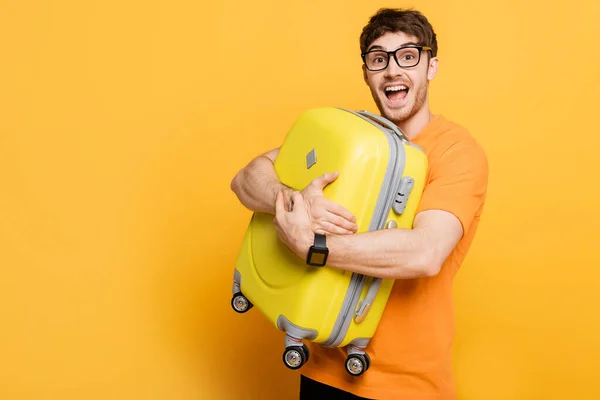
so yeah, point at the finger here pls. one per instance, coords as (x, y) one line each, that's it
(332, 228)
(340, 222)
(289, 202)
(322, 231)
(339, 210)
(297, 201)
(279, 204)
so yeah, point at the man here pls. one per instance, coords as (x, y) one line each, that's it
(411, 350)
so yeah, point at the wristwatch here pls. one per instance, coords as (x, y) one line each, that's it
(318, 252)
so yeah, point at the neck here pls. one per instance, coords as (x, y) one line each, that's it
(415, 124)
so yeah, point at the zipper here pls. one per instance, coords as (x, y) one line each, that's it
(357, 281)
(354, 288)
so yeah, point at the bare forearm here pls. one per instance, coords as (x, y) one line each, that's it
(257, 185)
(393, 253)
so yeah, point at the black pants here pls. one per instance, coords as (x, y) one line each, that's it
(310, 390)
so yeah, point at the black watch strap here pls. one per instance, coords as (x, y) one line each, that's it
(320, 241)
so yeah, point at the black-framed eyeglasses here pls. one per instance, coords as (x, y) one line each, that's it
(406, 57)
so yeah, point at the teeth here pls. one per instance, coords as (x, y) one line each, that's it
(395, 88)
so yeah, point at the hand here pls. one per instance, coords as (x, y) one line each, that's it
(326, 216)
(293, 226)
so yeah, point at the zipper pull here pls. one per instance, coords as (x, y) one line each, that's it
(365, 305)
(362, 311)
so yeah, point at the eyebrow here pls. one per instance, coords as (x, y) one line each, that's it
(402, 45)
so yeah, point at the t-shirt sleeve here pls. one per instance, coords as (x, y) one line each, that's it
(457, 182)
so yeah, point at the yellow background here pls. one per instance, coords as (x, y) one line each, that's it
(122, 123)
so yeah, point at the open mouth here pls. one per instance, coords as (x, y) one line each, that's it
(396, 93)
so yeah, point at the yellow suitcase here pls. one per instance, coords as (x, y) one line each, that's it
(381, 180)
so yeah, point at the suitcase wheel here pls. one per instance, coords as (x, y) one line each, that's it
(295, 357)
(358, 364)
(240, 303)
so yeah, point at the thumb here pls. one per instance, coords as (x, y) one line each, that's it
(326, 179)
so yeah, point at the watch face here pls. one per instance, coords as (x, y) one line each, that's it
(317, 258)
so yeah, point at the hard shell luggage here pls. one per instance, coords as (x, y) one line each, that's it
(381, 179)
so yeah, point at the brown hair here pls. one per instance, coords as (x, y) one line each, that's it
(411, 22)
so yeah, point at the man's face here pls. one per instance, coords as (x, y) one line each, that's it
(399, 105)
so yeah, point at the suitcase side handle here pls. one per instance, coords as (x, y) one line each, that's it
(385, 122)
(365, 305)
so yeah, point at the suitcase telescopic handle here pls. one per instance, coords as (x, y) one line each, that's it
(385, 122)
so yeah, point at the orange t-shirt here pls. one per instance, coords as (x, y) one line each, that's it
(411, 350)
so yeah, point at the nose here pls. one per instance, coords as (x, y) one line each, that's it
(393, 69)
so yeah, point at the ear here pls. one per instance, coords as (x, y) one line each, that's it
(364, 69)
(433, 68)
